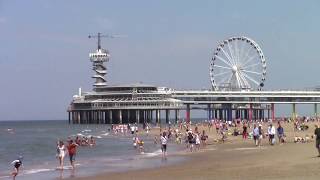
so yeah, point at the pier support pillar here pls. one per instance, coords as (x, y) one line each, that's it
(272, 112)
(167, 116)
(176, 116)
(209, 112)
(137, 116)
(110, 117)
(69, 117)
(188, 114)
(315, 110)
(157, 116)
(294, 114)
(120, 116)
(250, 112)
(229, 112)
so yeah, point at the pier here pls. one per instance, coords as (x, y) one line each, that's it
(229, 99)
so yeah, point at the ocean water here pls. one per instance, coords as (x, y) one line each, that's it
(36, 142)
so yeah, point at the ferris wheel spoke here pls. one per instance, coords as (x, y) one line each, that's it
(249, 60)
(222, 67)
(231, 53)
(241, 50)
(228, 57)
(222, 73)
(252, 65)
(239, 80)
(247, 53)
(223, 60)
(251, 72)
(247, 84)
(251, 79)
(230, 78)
(237, 58)
(223, 79)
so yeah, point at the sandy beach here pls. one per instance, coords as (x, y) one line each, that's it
(237, 159)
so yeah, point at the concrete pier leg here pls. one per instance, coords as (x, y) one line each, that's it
(157, 116)
(69, 117)
(315, 110)
(250, 112)
(272, 112)
(151, 116)
(294, 114)
(110, 117)
(176, 116)
(137, 116)
(217, 114)
(120, 116)
(229, 112)
(167, 116)
(188, 113)
(209, 112)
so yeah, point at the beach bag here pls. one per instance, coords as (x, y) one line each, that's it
(273, 141)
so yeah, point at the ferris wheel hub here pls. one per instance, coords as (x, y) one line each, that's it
(234, 68)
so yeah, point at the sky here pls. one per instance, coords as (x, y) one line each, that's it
(44, 46)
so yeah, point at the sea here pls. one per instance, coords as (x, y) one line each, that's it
(36, 141)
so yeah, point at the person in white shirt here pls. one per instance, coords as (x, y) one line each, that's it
(271, 134)
(164, 140)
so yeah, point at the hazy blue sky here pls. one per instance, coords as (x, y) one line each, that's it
(44, 46)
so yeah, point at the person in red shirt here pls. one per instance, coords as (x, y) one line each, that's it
(72, 149)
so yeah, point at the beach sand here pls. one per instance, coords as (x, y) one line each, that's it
(237, 159)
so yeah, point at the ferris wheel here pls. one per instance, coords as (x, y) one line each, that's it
(238, 63)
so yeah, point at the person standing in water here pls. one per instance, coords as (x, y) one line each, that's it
(72, 150)
(61, 150)
(16, 164)
(164, 145)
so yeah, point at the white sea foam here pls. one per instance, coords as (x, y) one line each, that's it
(153, 154)
(33, 171)
(105, 134)
(4, 177)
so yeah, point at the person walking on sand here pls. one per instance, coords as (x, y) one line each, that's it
(16, 164)
(280, 132)
(61, 150)
(72, 150)
(317, 133)
(271, 134)
(245, 131)
(164, 140)
(255, 133)
(261, 134)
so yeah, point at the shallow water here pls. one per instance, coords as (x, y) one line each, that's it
(36, 142)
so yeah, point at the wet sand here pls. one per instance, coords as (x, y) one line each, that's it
(238, 159)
